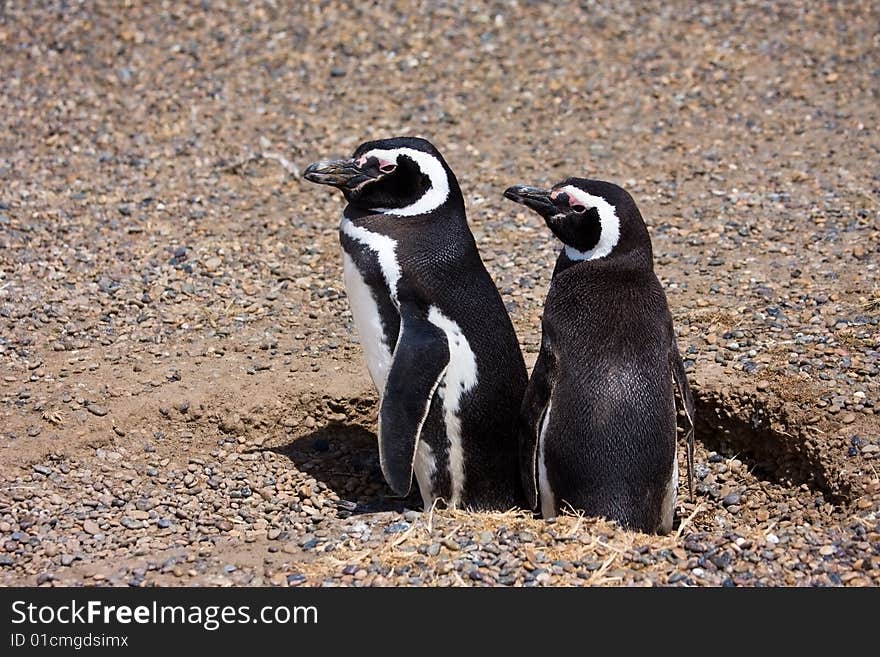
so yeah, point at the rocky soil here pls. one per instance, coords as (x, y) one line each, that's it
(182, 396)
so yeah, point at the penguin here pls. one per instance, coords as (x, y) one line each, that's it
(439, 344)
(598, 420)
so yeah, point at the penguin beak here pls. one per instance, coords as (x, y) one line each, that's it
(533, 197)
(339, 173)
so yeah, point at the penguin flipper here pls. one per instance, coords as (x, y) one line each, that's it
(534, 407)
(420, 359)
(687, 399)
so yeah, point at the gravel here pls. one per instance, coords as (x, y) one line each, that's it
(183, 398)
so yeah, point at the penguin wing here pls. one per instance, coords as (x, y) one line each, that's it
(687, 399)
(420, 359)
(532, 412)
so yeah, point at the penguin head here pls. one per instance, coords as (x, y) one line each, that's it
(402, 176)
(592, 218)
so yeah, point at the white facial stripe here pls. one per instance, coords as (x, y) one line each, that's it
(461, 376)
(430, 166)
(609, 232)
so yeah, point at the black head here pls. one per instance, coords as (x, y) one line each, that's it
(592, 218)
(404, 176)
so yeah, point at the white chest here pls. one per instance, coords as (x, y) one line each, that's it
(368, 323)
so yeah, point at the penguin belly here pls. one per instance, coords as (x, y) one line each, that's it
(368, 323)
(459, 379)
(667, 507)
(424, 468)
(548, 499)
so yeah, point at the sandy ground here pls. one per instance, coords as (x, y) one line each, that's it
(182, 396)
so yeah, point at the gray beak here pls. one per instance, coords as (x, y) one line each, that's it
(339, 173)
(533, 197)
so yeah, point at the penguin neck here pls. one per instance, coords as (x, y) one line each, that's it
(634, 259)
(356, 212)
(452, 207)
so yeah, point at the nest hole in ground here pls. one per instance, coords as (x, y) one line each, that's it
(343, 454)
(774, 448)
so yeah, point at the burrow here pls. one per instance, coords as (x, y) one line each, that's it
(334, 440)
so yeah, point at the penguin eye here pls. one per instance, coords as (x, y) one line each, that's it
(580, 209)
(388, 168)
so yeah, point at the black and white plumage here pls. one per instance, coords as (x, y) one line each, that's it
(439, 344)
(598, 427)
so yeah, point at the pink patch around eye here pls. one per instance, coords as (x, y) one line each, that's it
(557, 192)
(386, 163)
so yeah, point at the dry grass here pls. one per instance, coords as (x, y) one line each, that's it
(872, 303)
(571, 537)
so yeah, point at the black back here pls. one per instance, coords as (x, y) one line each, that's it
(441, 267)
(607, 364)
(610, 442)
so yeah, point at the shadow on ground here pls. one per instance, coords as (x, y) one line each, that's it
(345, 458)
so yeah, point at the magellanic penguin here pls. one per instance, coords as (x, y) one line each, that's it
(439, 344)
(598, 430)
